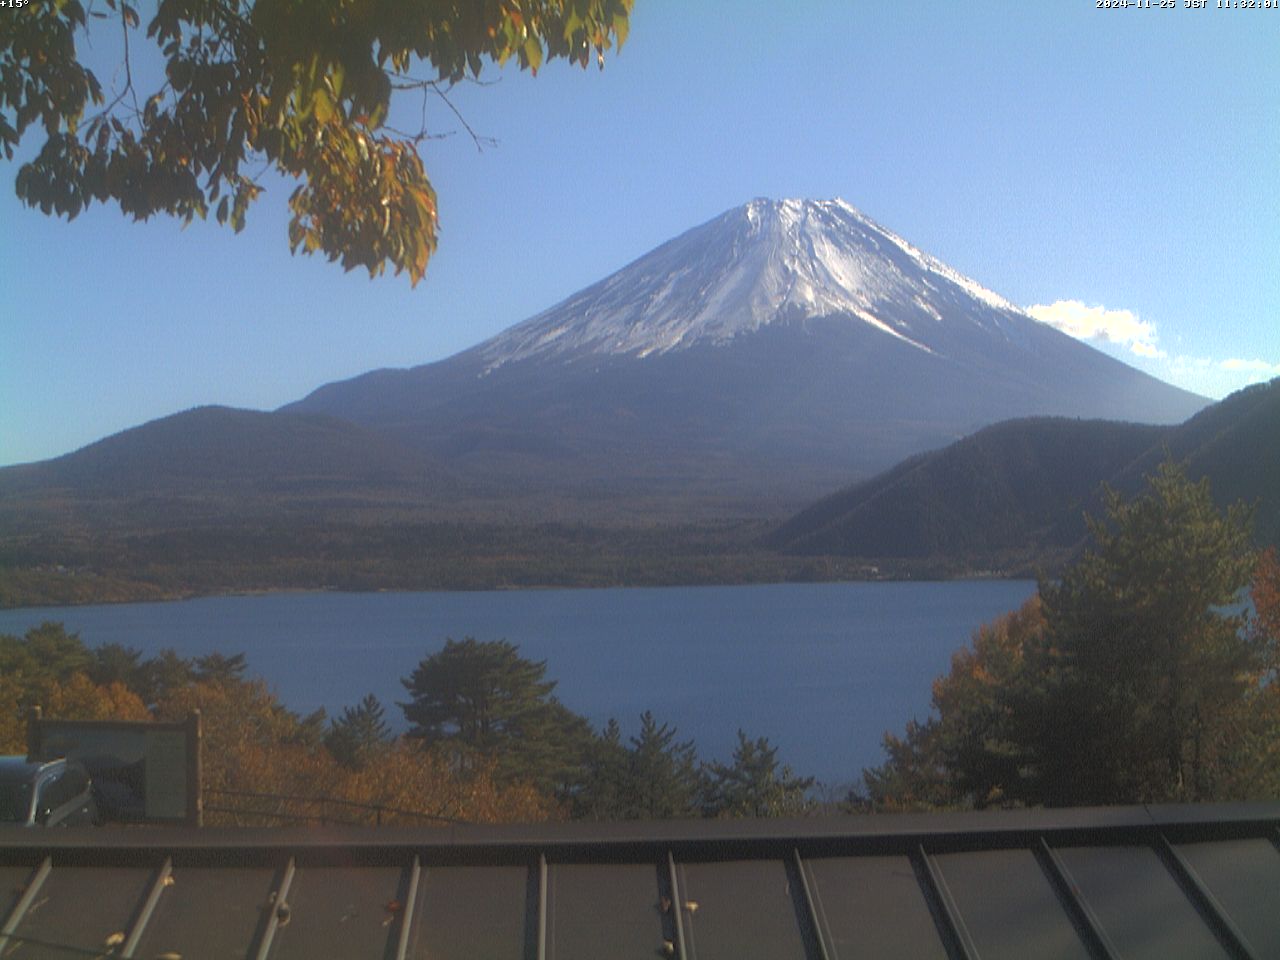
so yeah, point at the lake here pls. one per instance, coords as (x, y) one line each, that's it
(822, 670)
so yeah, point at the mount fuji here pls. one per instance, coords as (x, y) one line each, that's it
(777, 352)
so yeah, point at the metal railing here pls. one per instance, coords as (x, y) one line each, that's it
(323, 811)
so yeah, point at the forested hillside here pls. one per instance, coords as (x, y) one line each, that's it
(241, 511)
(998, 494)
(1015, 495)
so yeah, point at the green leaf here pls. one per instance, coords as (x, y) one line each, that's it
(322, 106)
(533, 52)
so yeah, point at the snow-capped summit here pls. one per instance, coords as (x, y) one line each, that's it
(754, 265)
(777, 352)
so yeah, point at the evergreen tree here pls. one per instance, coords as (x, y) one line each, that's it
(483, 702)
(1133, 679)
(44, 653)
(219, 668)
(115, 663)
(755, 784)
(356, 737)
(652, 776)
(164, 675)
(31, 668)
(1148, 660)
(912, 778)
(605, 783)
(664, 779)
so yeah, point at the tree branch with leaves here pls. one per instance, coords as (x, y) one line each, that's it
(302, 88)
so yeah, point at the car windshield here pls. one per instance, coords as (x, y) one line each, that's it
(15, 802)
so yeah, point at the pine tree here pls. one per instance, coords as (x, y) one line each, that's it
(359, 734)
(653, 776)
(164, 675)
(116, 663)
(605, 787)
(1135, 678)
(1147, 656)
(484, 703)
(755, 784)
(664, 777)
(219, 668)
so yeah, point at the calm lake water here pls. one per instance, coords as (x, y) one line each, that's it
(821, 669)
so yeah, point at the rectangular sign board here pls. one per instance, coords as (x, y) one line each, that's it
(142, 772)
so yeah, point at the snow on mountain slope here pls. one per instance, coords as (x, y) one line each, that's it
(774, 353)
(752, 266)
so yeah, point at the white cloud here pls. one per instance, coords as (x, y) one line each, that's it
(1261, 367)
(1214, 378)
(1098, 323)
(1124, 335)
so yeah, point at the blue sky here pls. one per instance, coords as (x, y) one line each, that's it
(1119, 170)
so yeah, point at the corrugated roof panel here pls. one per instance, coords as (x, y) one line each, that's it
(1142, 909)
(472, 913)
(1244, 877)
(603, 910)
(219, 908)
(13, 883)
(739, 910)
(340, 912)
(1008, 907)
(1018, 883)
(80, 911)
(872, 907)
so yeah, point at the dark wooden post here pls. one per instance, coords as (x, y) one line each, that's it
(195, 770)
(33, 733)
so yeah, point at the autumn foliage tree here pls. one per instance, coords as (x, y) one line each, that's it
(302, 88)
(1265, 594)
(266, 765)
(490, 743)
(1134, 678)
(263, 764)
(50, 667)
(972, 750)
(1251, 763)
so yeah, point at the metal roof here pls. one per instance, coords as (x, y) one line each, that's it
(1134, 882)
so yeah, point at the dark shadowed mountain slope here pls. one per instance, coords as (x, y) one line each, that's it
(216, 446)
(1236, 444)
(1019, 490)
(1002, 489)
(754, 362)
